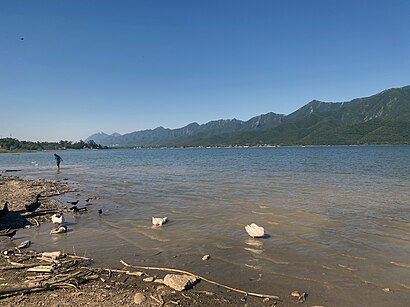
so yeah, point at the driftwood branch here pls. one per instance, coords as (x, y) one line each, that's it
(200, 277)
(36, 287)
(17, 266)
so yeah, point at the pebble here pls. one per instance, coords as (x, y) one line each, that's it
(295, 293)
(24, 244)
(206, 257)
(386, 290)
(139, 298)
(9, 251)
(149, 279)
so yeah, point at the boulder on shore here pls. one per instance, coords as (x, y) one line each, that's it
(180, 282)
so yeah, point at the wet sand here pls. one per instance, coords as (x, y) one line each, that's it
(18, 192)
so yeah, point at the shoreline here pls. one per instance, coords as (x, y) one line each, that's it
(211, 147)
(113, 286)
(119, 287)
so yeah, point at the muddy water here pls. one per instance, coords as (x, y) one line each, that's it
(337, 218)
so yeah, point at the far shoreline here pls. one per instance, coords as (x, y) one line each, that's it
(206, 147)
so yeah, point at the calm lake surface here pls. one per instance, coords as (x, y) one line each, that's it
(338, 217)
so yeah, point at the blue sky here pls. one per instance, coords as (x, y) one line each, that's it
(121, 66)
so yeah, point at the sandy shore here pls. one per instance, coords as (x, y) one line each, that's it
(93, 286)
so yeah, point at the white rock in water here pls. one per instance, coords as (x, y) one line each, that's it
(57, 218)
(206, 257)
(180, 282)
(158, 221)
(254, 230)
(61, 229)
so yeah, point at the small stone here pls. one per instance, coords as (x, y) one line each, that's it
(149, 279)
(139, 298)
(24, 244)
(206, 257)
(302, 297)
(180, 282)
(266, 299)
(9, 251)
(295, 294)
(386, 290)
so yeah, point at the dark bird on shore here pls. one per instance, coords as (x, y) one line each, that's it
(73, 202)
(88, 199)
(99, 211)
(5, 210)
(8, 233)
(34, 206)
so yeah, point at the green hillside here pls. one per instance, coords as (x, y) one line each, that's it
(383, 118)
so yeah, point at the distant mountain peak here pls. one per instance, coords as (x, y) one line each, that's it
(317, 122)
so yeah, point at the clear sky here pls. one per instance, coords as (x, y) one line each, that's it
(71, 68)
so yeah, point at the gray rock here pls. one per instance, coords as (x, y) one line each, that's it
(139, 298)
(180, 282)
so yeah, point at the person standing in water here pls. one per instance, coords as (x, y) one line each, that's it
(58, 160)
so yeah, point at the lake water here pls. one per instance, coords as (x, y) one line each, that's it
(337, 218)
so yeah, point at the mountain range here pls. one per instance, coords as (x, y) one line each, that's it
(383, 118)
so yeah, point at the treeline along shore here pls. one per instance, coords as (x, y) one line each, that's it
(13, 145)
